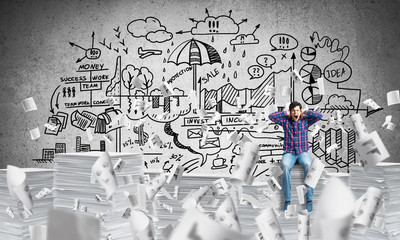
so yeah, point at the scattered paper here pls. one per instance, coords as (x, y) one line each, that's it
(89, 134)
(29, 104)
(227, 215)
(196, 226)
(119, 165)
(321, 87)
(194, 198)
(211, 102)
(175, 174)
(334, 212)
(389, 125)
(64, 225)
(238, 103)
(290, 211)
(303, 227)
(35, 133)
(166, 89)
(155, 141)
(332, 147)
(296, 76)
(219, 186)
(371, 103)
(273, 184)
(242, 173)
(140, 226)
(269, 225)
(286, 91)
(10, 212)
(233, 137)
(43, 193)
(393, 97)
(314, 173)
(270, 91)
(193, 99)
(166, 232)
(103, 172)
(315, 130)
(371, 150)
(367, 210)
(18, 186)
(108, 138)
(301, 191)
(155, 185)
(338, 116)
(359, 126)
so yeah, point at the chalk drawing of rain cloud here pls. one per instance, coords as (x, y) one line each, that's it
(149, 28)
(223, 24)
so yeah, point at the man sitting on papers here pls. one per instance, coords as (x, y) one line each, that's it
(295, 124)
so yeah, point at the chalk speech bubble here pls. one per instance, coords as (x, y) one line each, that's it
(255, 71)
(284, 42)
(266, 60)
(93, 53)
(337, 72)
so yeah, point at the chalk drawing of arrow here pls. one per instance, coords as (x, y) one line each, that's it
(51, 100)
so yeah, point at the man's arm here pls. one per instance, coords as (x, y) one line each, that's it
(312, 116)
(278, 117)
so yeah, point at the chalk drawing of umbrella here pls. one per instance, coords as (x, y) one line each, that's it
(194, 52)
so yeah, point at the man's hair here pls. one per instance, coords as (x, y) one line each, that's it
(294, 104)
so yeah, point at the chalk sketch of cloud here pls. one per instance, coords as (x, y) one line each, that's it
(243, 39)
(149, 26)
(212, 25)
(336, 102)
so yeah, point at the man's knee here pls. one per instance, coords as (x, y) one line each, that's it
(285, 167)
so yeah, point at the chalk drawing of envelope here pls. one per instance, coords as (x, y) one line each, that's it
(194, 133)
(210, 143)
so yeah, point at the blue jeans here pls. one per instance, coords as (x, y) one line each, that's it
(287, 163)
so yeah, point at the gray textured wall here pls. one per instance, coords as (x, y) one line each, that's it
(35, 53)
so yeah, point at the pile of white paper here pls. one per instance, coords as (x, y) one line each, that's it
(77, 191)
(15, 221)
(383, 176)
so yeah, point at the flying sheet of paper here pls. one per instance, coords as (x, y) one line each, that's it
(18, 186)
(141, 196)
(371, 150)
(227, 215)
(249, 199)
(62, 225)
(196, 226)
(119, 165)
(270, 91)
(38, 232)
(43, 193)
(155, 141)
(233, 137)
(371, 103)
(315, 130)
(242, 173)
(303, 225)
(367, 210)
(108, 138)
(273, 184)
(103, 172)
(201, 113)
(194, 198)
(10, 212)
(331, 148)
(238, 103)
(215, 117)
(35, 133)
(301, 191)
(89, 134)
(175, 174)
(166, 89)
(338, 115)
(193, 99)
(334, 212)
(359, 126)
(155, 185)
(286, 91)
(314, 173)
(290, 211)
(211, 102)
(296, 76)
(321, 87)
(388, 123)
(269, 225)
(29, 104)
(393, 97)
(219, 186)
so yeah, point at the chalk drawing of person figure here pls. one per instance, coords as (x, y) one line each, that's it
(64, 92)
(73, 91)
(69, 92)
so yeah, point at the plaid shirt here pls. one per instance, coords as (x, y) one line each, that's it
(296, 133)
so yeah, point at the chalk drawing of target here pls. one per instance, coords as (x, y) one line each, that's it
(310, 73)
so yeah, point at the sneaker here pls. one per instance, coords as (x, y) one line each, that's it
(309, 206)
(287, 203)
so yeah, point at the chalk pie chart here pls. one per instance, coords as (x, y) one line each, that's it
(310, 73)
(308, 54)
(311, 95)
